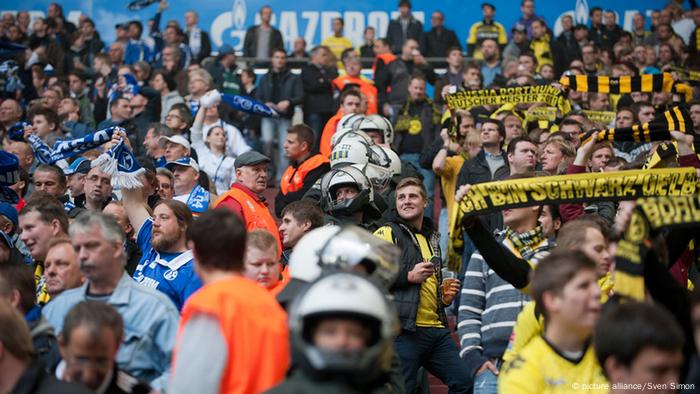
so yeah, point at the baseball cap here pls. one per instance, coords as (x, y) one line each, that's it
(80, 166)
(9, 212)
(176, 139)
(519, 27)
(123, 25)
(183, 161)
(225, 49)
(251, 158)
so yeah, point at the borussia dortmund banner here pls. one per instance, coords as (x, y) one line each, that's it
(590, 187)
(546, 94)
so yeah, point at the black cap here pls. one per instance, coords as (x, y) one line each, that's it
(251, 158)
(493, 7)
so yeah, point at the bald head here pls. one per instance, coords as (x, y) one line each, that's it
(10, 112)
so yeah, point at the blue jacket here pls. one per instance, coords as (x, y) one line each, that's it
(150, 327)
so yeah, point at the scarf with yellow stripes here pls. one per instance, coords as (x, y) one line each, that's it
(646, 83)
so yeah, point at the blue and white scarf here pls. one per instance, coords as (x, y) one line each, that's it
(118, 162)
(247, 104)
(198, 201)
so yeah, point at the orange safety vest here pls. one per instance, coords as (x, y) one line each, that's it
(255, 213)
(325, 148)
(293, 178)
(366, 87)
(254, 327)
(385, 57)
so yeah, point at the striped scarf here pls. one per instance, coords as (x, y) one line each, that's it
(646, 83)
(529, 243)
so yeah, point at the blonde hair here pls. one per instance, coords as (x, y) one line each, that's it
(261, 240)
(203, 74)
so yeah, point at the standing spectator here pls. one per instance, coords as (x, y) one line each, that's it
(77, 84)
(10, 113)
(419, 295)
(164, 84)
(136, 49)
(484, 29)
(92, 42)
(337, 43)
(298, 57)
(527, 9)
(150, 315)
(352, 77)
(235, 141)
(491, 67)
(200, 82)
(224, 71)
(19, 368)
(316, 78)
(262, 263)
(518, 44)
(488, 301)
(547, 50)
(596, 33)
(682, 25)
(568, 40)
(153, 149)
(93, 330)
(305, 169)
(282, 91)
(453, 76)
(417, 127)
(262, 39)
(640, 34)
(439, 39)
(98, 189)
(367, 48)
(116, 210)
(196, 38)
(122, 116)
(212, 354)
(613, 31)
(392, 83)
(403, 28)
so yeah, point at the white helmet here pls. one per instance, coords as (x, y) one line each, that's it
(335, 248)
(378, 123)
(379, 176)
(346, 176)
(394, 160)
(348, 296)
(350, 151)
(349, 124)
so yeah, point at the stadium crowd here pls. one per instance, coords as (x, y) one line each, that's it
(178, 220)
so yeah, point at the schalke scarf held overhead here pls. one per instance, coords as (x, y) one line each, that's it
(237, 102)
(118, 162)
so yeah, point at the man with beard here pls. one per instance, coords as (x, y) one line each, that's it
(166, 263)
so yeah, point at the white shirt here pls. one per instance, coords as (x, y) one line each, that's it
(220, 168)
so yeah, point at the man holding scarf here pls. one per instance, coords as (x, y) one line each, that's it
(166, 263)
(484, 290)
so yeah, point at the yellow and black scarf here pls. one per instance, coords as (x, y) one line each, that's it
(645, 83)
(675, 119)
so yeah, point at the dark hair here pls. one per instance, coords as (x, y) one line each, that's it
(20, 277)
(96, 316)
(342, 22)
(571, 122)
(250, 73)
(304, 134)
(219, 238)
(529, 54)
(555, 271)
(501, 127)
(180, 210)
(625, 330)
(50, 115)
(305, 211)
(594, 9)
(350, 92)
(54, 169)
(48, 207)
(139, 25)
(167, 78)
(276, 50)
(184, 113)
(512, 145)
